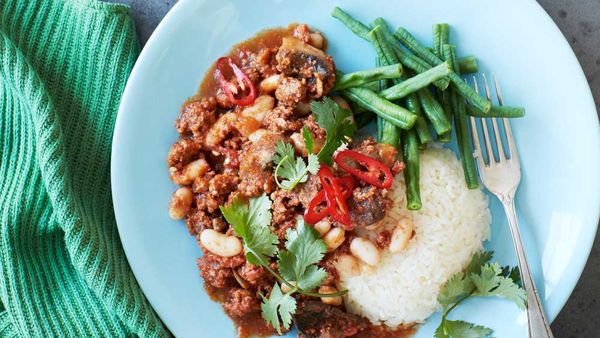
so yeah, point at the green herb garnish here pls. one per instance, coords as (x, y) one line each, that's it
(338, 124)
(480, 279)
(293, 169)
(298, 269)
(252, 222)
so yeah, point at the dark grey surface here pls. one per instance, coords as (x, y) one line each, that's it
(579, 21)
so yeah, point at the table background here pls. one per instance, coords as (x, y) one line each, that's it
(579, 20)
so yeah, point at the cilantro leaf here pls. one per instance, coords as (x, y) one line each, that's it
(512, 273)
(457, 287)
(305, 248)
(462, 329)
(478, 260)
(338, 124)
(309, 142)
(440, 332)
(491, 282)
(293, 169)
(278, 305)
(251, 222)
(479, 279)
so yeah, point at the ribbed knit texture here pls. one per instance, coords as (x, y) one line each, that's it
(63, 272)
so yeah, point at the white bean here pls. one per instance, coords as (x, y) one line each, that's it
(316, 39)
(187, 174)
(220, 244)
(323, 226)
(180, 203)
(269, 84)
(298, 143)
(365, 250)
(326, 289)
(347, 266)
(401, 235)
(259, 109)
(334, 238)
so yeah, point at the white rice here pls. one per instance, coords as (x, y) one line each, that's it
(449, 229)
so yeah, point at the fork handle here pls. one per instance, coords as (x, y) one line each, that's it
(537, 324)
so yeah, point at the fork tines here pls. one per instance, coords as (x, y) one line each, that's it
(512, 150)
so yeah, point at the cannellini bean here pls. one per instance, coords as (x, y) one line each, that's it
(219, 129)
(323, 226)
(269, 85)
(326, 289)
(286, 288)
(341, 102)
(246, 125)
(401, 235)
(347, 266)
(316, 39)
(365, 250)
(334, 238)
(180, 203)
(258, 134)
(258, 110)
(187, 174)
(220, 244)
(298, 142)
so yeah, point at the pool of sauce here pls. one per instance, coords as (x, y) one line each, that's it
(267, 38)
(253, 325)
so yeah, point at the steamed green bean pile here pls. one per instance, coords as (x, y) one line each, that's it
(415, 91)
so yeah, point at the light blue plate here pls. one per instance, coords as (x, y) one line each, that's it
(559, 140)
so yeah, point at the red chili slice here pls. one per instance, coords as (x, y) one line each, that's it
(317, 208)
(336, 202)
(369, 169)
(237, 86)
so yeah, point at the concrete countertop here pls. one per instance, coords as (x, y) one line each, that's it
(579, 20)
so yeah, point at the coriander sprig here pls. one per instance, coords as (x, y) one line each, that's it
(293, 169)
(338, 124)
(480, 279)
(298, 268)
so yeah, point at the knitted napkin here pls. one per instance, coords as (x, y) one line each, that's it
(63, 272)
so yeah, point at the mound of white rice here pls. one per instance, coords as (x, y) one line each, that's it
(449, 229)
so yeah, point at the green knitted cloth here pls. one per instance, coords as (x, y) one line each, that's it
(63, 272)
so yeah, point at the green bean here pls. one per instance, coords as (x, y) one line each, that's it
(399, 116)
(413, 45)
(410, 146)
(405, 57)
(359, 78)
(421, 127)
(448, 56)
(444, 99)
(461, 87)
(382, 48)
(468, 64)
(386, 131)
(434, 112)
(463, 139)
(416, 82)
(444, 35)
(497, 111)
(354, 25)
(437, 40)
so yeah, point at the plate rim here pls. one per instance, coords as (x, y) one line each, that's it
(171, 16)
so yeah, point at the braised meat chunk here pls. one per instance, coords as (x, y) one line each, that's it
(318, 320)
(299, 59)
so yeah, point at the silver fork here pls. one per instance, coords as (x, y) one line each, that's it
(502, 178)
